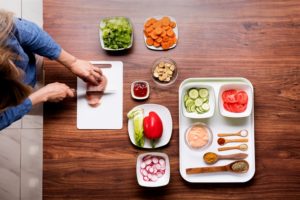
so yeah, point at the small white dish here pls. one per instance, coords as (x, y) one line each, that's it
(137, 97)
(162, 181)
(174, 29)
(211, 100)
(238, 87)
(102, 24)
(166, 118)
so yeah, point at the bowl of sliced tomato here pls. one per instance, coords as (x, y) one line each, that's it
(235, 100)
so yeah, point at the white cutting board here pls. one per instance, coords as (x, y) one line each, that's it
(109, 114)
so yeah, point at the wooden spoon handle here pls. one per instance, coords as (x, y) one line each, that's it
(227, 134)
(198, 170)
(227, 148)
(237, 140)
(236, 156)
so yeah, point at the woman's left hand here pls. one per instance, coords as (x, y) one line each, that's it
(86, 71)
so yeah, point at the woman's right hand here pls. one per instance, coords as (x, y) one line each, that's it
(53, 92)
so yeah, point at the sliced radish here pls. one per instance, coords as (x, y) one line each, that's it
(155, 160)
(147, 157)
(148, 162)
(162, 161)
(154, 178)
(146, 178)
(143, 165)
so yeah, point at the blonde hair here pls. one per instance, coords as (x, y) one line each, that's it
(12, 90)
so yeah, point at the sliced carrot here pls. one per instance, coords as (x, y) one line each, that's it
(156, 44)
(153, 36)
(149, 29)
(149, 41)
(172, 24)
(163, 34)
(170, 33)
(164, 45)
(159, 40)
(165, 39)
(158, 30)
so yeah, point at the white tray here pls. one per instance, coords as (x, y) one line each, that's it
(190, 158)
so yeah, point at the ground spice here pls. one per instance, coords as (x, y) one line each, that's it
(221, 141)
(240, 166)
(210, 157)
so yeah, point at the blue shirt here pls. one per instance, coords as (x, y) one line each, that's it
(26, 40)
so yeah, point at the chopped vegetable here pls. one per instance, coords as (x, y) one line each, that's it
(160, 33)
(116, 33)
(153, 127)
(138, 116)
(235, 101)
(197, 100)
(152, 168)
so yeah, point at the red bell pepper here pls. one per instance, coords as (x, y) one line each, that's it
(153, 127)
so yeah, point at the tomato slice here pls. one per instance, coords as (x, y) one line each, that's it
(242, 97)
(237, 107)
(227, 106)
(228, 96)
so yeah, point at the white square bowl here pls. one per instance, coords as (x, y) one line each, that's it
(211, 100)
(238, 87)
(102, 24)
(162, 181)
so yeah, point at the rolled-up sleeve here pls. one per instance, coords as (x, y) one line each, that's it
(36, 40)
(12, 114)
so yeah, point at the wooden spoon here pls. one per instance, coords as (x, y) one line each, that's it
(240, 166)
(236, 156)
(242, 147)
(222, 141)
(242, 133)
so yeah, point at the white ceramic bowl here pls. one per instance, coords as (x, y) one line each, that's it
(102, 24)
(238, 87)
(162, 181)
(211, 100)
(136, 97)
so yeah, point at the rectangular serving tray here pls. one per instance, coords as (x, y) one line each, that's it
(194, 158)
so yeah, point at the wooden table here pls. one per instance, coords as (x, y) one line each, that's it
(258, 40)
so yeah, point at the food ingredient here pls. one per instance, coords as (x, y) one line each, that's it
(240, 166)
(137, 115)
(140, 89)
(153, 127)
(210, 157)
(235, 101)
(95, 92)
(197, 136)
(221, 141)
(196, 100)
(164, 71)
(116, 33)
(152, 168)
(160, 32)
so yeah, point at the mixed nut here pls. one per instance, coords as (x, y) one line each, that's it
(164, 71)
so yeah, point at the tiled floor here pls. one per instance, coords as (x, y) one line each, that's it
(21, 144)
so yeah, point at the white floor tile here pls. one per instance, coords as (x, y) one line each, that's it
(33, 10)
(31, 164)
(16, 125)
(34, 119)
(10, 164)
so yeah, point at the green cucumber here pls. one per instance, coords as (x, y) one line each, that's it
(203, 92)
(193, 93)
(205, 107)
(198, 102)
(189, 102)
(186, 97)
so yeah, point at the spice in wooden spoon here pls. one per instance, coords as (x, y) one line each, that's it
(242, 133)
(240, 166)
(242, 147)
(211, 158)
(222, 141)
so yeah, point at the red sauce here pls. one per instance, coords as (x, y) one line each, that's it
(140, 89)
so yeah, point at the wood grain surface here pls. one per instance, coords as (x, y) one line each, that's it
(255, 39)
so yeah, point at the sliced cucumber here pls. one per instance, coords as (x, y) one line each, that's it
(193, 93)
(189, 102)
(205, 107)
(203, 92)
(198, 102)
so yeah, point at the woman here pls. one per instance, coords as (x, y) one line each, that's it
(20, 40)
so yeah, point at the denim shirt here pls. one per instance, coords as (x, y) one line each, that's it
(26, 40)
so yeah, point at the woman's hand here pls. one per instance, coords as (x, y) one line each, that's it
(83, 69)
(86, 71)
(53, 92)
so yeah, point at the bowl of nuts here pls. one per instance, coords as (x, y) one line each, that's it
(164, 71)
